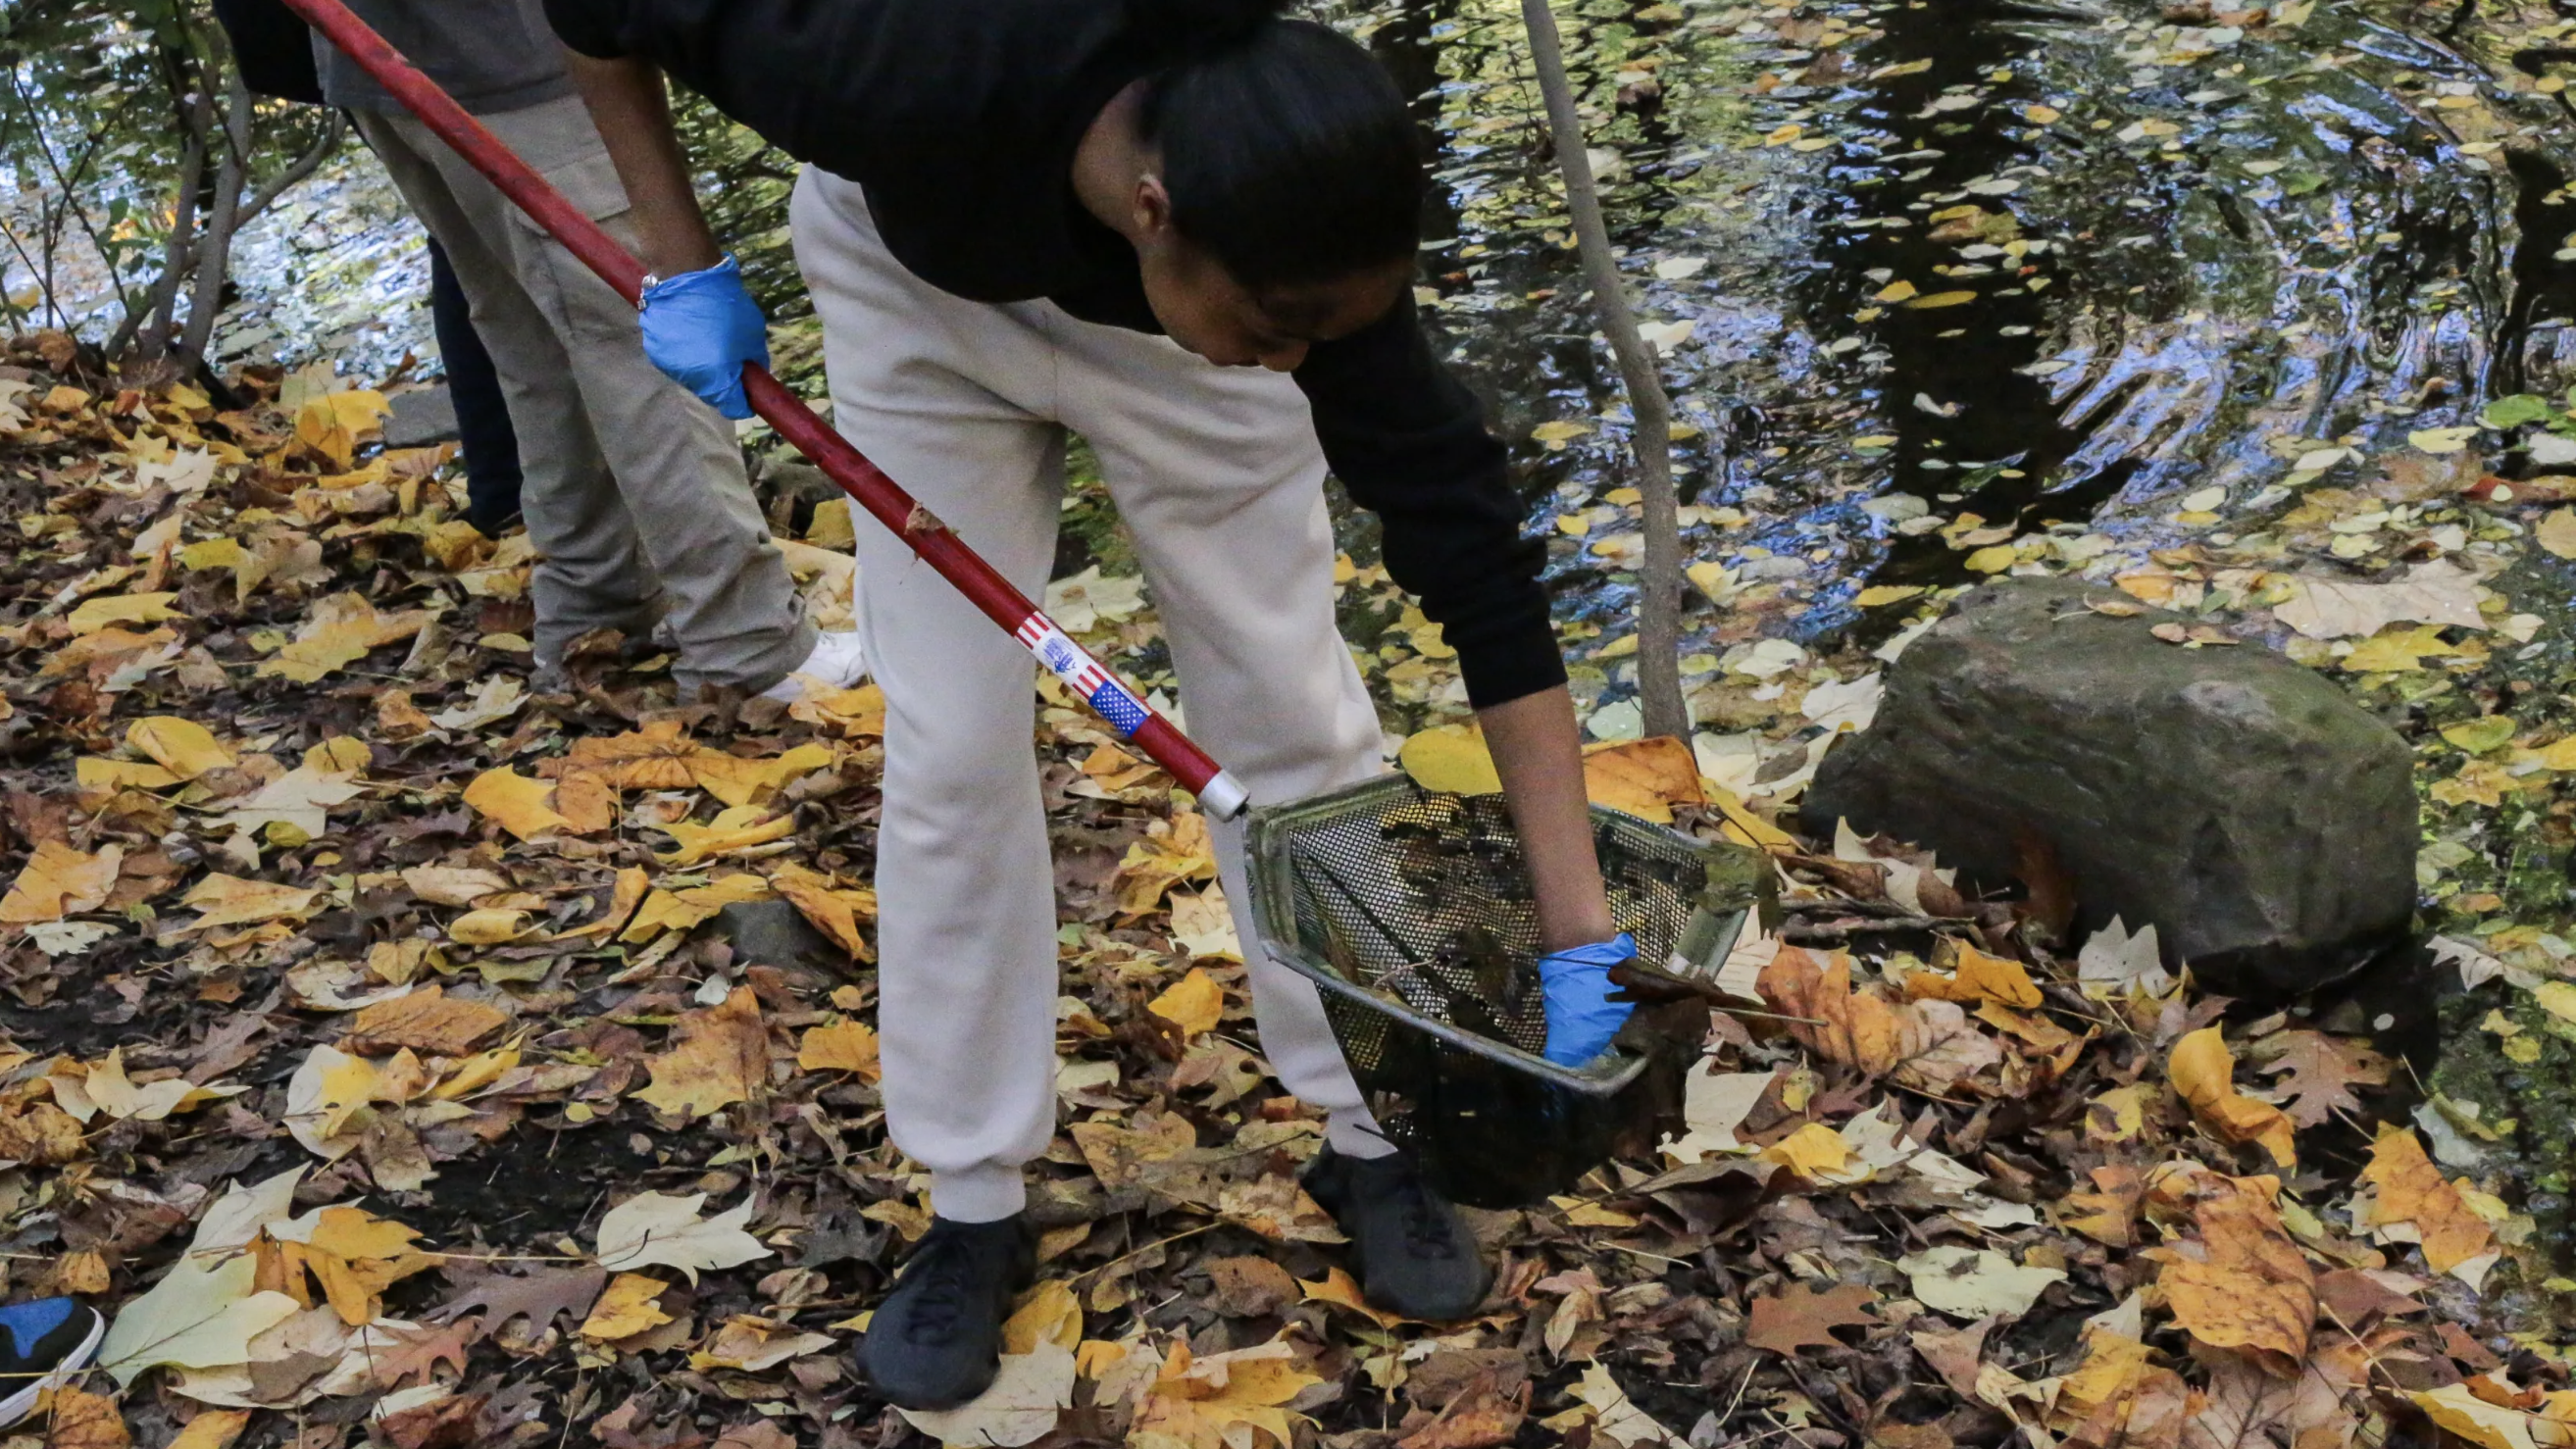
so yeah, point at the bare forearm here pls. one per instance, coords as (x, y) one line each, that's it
(633, 113)
(1538, 752)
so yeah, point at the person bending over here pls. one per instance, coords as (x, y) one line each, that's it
(1186, 229)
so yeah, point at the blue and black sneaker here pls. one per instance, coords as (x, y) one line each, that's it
(42, 1344)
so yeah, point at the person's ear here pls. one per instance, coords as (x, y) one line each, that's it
(1153, 207)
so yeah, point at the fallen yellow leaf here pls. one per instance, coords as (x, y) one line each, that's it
(335, 423)
(488, 927)
(96, 614)
(1815, 1152)
(514, 802)
(738, 828)
(719, 1056)
(626, 1309)
(1978, 977)
(2413, 1190)
(1194, 1004)
(1645, 778)
(2203, 1070)
(1452, 760)
(839, 1046)
(181, 747)
(59, 881)
(232, 901)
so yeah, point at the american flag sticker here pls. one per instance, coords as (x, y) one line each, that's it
(1082, 674)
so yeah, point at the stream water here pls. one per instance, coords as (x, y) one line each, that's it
(2079, 276)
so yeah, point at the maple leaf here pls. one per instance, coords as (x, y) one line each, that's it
(626, 1309)
(1200, 1402)
(2411, 1190)
(334, 423)
(738, 827)
(1616, 1417)
(1927, 1045)
(833, 909)
(1172, 852)
(2109, 1215)
(2319, 1072)
(845, 1045)
(541, 1297)
(1974, 1282)
(1977, 977)
(2248, 1285)
(233, 901)
(1193, 1004)
(83, 1420)
(183, 747)
(1645, 777)
(719, 1056)
(514, 802)
(195, 1317)
(2434, 592)
(59, 881)
(98, 613)
(300, 800)
(1800, 1317)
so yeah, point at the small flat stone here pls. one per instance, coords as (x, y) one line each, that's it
(422, 418)
(775, 933)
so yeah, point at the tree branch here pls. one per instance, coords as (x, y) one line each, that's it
(1659, 594)
(333, 132)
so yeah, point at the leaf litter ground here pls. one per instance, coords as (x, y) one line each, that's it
(376, 1065)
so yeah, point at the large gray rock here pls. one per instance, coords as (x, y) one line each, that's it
(2263, 822)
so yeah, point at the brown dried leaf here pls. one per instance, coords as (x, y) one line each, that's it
(83, 1420)
(2320, 1071)
(1800, 1317)
(2241, 1282)
(1927, 1045)
(2412, 1190)
(428, 1020)
(719, 1056)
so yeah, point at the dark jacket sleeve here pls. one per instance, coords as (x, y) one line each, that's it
(1409, 442)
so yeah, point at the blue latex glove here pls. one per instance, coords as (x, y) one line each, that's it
(700, 328)
(1581, 1017)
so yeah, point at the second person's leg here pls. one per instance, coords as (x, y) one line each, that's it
(730, 602)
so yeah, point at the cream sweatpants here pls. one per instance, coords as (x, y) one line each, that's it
(1218, 476)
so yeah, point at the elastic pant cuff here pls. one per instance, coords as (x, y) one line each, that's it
(1355, 1133)
(983, 1194)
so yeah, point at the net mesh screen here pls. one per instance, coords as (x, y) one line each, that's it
(1424, 902)
(1425, 899)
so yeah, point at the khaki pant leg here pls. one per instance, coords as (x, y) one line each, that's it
(676, 466)
(591, 572)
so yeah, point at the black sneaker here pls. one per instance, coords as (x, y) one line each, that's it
(936, 1342)
(42, 1344)
(1414, 1252)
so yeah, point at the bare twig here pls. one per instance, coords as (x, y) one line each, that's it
(1659, 583)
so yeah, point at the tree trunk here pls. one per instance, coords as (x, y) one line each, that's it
(215, 248)
(154, 340)
(1659, 583)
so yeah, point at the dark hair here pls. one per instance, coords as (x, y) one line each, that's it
(1287, 149)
